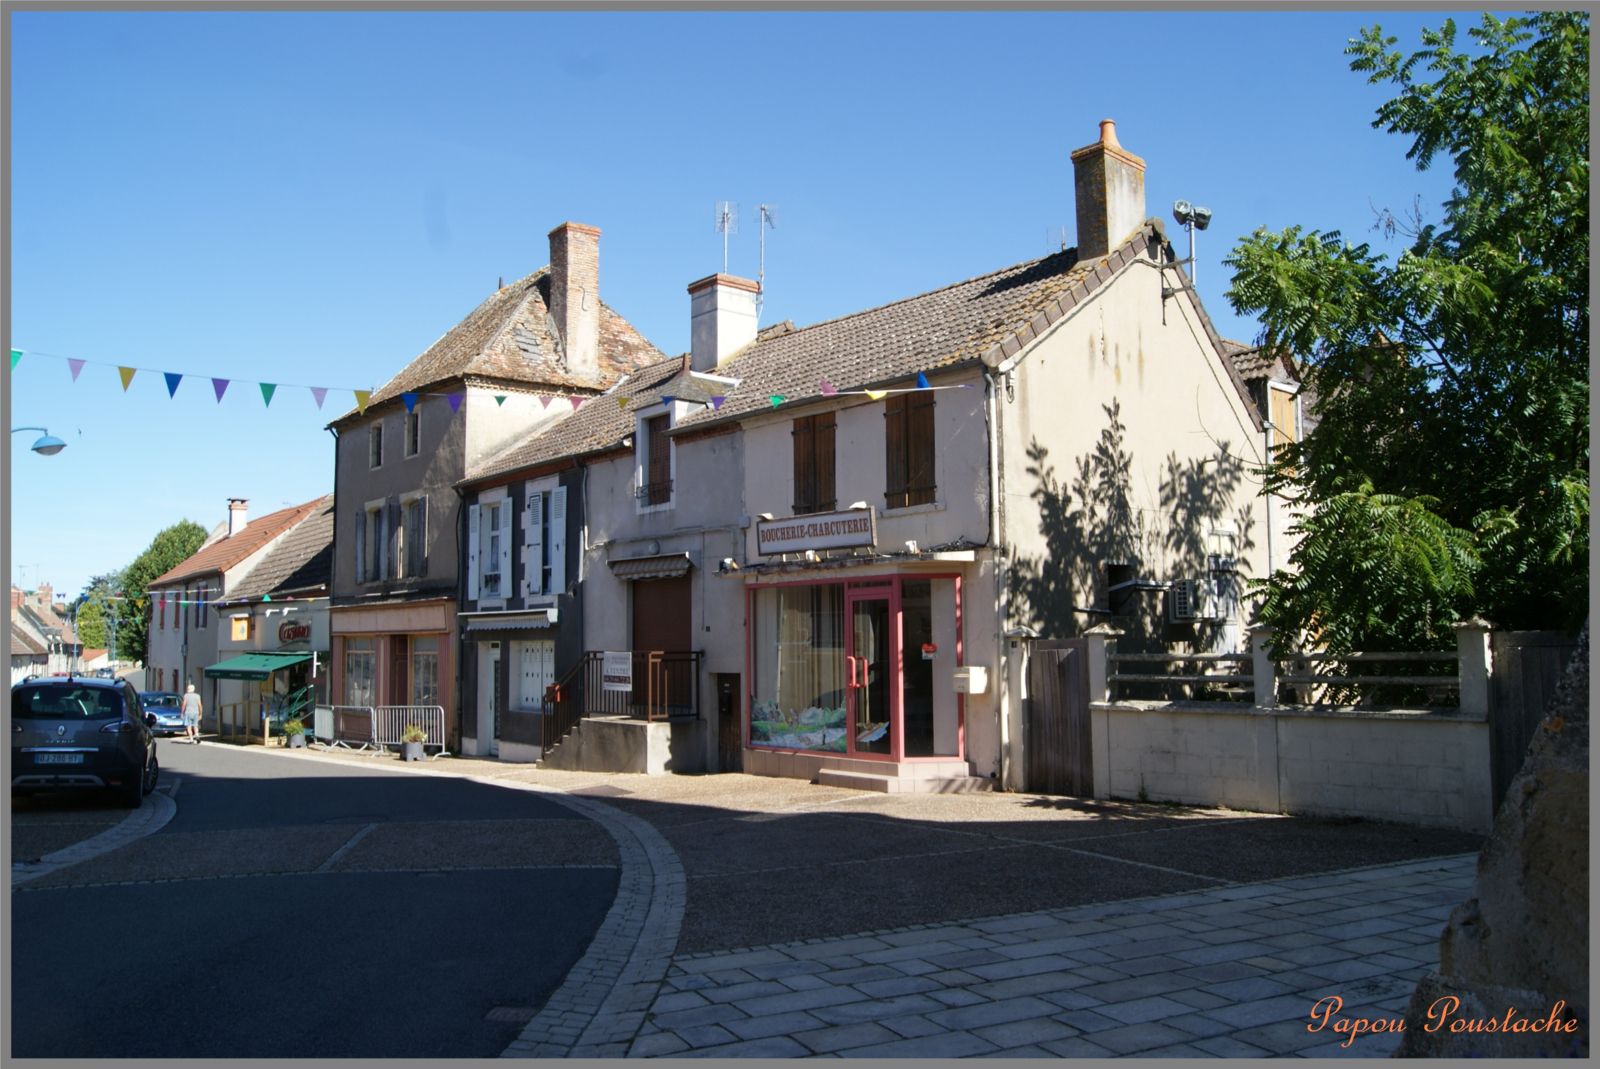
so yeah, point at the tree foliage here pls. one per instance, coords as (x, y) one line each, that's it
(166, 551)
(1449, 472)
(92, 607)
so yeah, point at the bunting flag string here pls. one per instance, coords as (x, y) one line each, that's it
(319, 394)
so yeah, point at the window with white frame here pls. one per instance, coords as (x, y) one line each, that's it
(412, 552)
(489, 547)
(544, 540)
(375, 445)
(414, 430)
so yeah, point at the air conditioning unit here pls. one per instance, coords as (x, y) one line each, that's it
(1189, 600)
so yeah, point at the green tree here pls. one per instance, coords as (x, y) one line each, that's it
(166, 551)
(1449, 472)
(92, 608)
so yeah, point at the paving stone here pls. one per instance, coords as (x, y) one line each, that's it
(1136, 1038)
(934, 935)
(833, 948)
(1249, 989)
(1143, 1009)
(1005, 970)
(704, 1035)
(1357, 929)
(1076, 1047)
(827, 1040)
(1014, 924)
(872, 1009)
(1354, 969)
(906, 953)
(1146, 966)
(1030, 985)
(799, 1000)
(729, 977)
(916, 967)
(954, 978)
(956, 996)
(692, 982)
(1339, 1050)
(913, 1027)
(1140, 987)
(1087, 1020)
(1100, 974)
(656, 1046)
(803, 982)
(1019, 1052)
(777, 1024)
(989, 1013)
(1211, 955)
(898, 985)
(1264, 1011)
(681, 1019)
(1313, 955)
(962, 958)
(680, 1000)
(1291, 940)
(1287, 1037)
(737, 960)
(1372, 944)
(945, 1045)
(1221, 972)
(746, 990)
(1198, 1025)
(1228, 1047)
(771, 1047)
(1070, 1000)
(1174, 1050)
(779, 969)
(860, 972)
(1033, 1030)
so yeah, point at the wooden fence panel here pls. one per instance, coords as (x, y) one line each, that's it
(1527, 667)
(1057, 757)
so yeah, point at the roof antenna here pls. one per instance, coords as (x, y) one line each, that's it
(1055, 239)
(727, 223)
(769, 218)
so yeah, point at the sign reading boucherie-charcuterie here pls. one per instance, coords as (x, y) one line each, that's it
(821, 530)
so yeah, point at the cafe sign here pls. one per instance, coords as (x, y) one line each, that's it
(293, 632)
(820, 530)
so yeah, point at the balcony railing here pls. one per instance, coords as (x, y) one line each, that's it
(666, 686)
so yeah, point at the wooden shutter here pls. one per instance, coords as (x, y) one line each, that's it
(361, 546)
(472, 553)
(920, 480)
(533, 545)
(392, 538)
(658, 472)
(558, 541)
(894, 448)
(805, 467)
(823, 462)
(420, 537)
(505, 548)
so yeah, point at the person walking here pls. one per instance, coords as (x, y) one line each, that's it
(191, 715)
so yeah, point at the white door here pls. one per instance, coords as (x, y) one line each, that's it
(488, 698)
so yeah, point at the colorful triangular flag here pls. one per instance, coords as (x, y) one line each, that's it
(827, 388)
(127, 374)
(76, 366)
(499, 399)
(877, 395)
(544, 402)
(576, 401)
(922, 381)
(16, 358)
(716, 402)
(173, 378)
(362, 397)
(411, 401)
(622, 402)
(220, 386)
(267, 390)
(455, 402)
(320, 393)
(777, 399)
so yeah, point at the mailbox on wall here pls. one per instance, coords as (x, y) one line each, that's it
(971, 679)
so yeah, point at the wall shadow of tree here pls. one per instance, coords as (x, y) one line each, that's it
(1095, 534)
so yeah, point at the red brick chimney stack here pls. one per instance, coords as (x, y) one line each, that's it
(575, 295)
(1109, 183)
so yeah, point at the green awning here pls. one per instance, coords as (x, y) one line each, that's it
(254, 665)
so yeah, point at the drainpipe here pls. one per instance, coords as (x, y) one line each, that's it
(997, 543)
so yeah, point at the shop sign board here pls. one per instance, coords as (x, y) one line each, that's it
(616, 671)
(821, 530)
(293, 632)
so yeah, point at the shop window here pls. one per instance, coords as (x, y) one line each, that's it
(813, 464)
(375, 445)
(414, 430)
(800, 672)
(425, 670)
(908, 450)
(359, 662)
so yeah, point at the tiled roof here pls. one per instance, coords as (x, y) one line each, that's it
(303, 560)
(22, 644)
(1254, 361)
(507, 339)
(599, 424)
(224, 554)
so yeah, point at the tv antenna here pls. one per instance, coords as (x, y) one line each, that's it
(769, 218)
(727, 223)
(1055, 239)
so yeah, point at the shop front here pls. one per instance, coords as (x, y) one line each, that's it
(272, 658)
(396, 655)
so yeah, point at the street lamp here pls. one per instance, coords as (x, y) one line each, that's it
(1192, 218)
(47, 445)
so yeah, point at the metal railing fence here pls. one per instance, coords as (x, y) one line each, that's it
(390, 721)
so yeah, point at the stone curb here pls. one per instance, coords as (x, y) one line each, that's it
(156, 812)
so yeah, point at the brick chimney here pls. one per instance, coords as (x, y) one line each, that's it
(575, 295)
(1110, 188)
(17, 598)
(236, 515)
(722, 319)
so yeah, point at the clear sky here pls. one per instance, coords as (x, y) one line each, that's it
(311, 199)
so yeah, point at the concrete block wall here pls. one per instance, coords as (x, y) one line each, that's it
(1424, 768)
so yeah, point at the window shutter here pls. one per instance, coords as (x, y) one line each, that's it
(505, 548)
(805, 468)
(533, 545)
(472, 553)
(558, 541)
(392, 539)
(825, 498)
(361, 547)
(920, 481)
(894, 442)
(419, 538)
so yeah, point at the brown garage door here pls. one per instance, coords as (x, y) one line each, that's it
(661, 614)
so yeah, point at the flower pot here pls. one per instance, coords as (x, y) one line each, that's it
(297, 742)
(411, 751)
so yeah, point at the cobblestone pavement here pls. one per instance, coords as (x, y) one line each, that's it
(1173, 931)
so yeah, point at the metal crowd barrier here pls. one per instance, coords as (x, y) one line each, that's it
(352, 727)
(388, 721)
(322, 723)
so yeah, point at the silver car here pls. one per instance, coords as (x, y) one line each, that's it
(68, 732)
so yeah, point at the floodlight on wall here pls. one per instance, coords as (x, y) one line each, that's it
(1191, 218)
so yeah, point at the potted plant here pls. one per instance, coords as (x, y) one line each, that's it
(294, 733)
(411, 739)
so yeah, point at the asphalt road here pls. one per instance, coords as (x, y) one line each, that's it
(294, 910)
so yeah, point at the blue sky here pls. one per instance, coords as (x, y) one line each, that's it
(313, 198)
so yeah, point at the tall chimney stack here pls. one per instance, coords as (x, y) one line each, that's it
(236, 515)
(722, 319)
(1110, 193)
(575, 295)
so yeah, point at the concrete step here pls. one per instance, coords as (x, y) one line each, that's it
(891, 784)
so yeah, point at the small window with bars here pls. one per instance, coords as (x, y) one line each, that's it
(655, 487)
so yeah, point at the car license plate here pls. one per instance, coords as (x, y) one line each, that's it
(58, 759)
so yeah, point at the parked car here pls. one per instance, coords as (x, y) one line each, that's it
(167, 708)
(82, 733)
